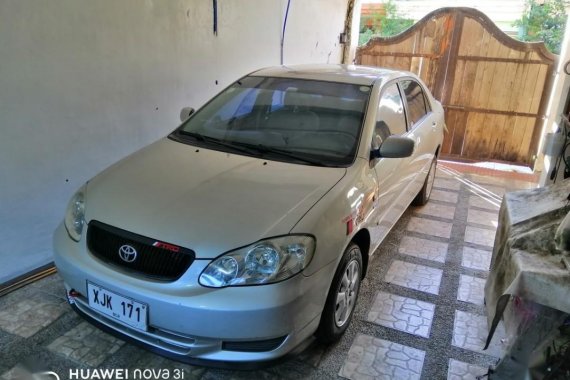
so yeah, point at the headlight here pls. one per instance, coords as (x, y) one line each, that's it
(264, 262)
(75, 214)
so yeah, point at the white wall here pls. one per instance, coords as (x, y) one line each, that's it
(84, 83)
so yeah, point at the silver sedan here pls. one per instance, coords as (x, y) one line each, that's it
(249, 228)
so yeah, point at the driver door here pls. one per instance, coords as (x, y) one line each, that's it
(390, 120)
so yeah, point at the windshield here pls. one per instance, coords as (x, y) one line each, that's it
(293, 120)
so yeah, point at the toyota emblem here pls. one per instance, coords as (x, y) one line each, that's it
(127, 253)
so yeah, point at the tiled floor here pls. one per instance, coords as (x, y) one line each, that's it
(423, 248)
(471, 289)
(429, 227)
(402, 313)
(373, 358)
(420, 313)
(414, 276)
(478, 259)
(86, 344)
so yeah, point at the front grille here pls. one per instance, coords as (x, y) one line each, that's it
(163, 264)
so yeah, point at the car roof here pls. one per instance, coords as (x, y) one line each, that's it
(361, 75)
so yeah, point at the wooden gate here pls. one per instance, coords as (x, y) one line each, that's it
(494, 89)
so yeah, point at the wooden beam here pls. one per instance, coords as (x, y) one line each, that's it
(496, 112)
(496, 59)
(399, 54)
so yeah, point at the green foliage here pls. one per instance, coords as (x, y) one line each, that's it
(364, 37)
(392, 23)
(544, 21)
(385, 25)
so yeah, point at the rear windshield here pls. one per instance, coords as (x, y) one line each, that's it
(293, 120)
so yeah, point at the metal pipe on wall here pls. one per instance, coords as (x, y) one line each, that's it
(284, 28)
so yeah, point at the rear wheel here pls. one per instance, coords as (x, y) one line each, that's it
(423, 196)
(342, 296)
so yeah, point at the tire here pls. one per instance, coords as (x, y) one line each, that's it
(334, 321)
(423, 196)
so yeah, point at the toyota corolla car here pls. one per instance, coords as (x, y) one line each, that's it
(249, 228)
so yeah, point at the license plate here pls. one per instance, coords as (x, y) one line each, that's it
(126, 310)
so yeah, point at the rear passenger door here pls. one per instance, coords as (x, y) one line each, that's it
(421, 127)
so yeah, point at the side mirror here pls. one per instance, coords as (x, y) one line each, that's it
(394, 147)
(185, 113)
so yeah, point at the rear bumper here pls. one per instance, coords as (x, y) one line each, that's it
(191, 323)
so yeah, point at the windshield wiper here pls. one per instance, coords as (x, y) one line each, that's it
(282, 152)
(212, 140)
(252, 148)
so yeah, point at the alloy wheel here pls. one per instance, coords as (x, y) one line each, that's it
(347, 293)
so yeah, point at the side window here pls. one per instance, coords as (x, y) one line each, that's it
(416, 101)
(390, 119)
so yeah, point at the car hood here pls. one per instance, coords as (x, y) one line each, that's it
(205, 200)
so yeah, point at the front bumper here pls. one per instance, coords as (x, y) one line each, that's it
(189, 322)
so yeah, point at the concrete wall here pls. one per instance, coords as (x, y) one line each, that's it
(85, 83)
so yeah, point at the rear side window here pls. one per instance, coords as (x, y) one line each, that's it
(391, 119)
(416, 101)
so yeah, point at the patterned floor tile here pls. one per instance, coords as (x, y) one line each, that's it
(86, 345)
(485, 180)
(470, 332)
(444, 196)
(464, 371)
(436, 209)
(29, 316)
(520, 185)
(476, 258)
(429, 227)
(497, 191)
(480, 236)
(443, 174)
(402, 313)
(414, 276)
(504, 182)
(471, 289)
(373, 358)
(52, 284)
(423, 248)
(489, 219)
(484, 202)
(450, 184)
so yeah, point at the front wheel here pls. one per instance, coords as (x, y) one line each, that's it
(342, 296)
(423, 196)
